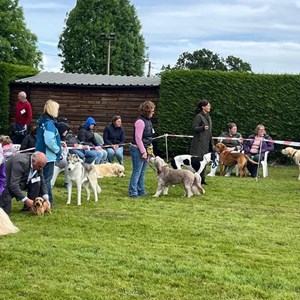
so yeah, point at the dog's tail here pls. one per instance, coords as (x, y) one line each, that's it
(251, 160)
(197, 182)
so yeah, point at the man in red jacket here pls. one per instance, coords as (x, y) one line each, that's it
(23, 118)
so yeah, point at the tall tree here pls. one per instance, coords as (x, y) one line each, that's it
(207, 60)
(84, 50)
(17, 43)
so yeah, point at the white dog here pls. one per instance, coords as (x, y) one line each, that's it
(294, 154)
(167, 176)
(194, 163)
(81, 174)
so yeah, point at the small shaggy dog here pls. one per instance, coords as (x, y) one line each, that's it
(228, 158)
(167, 176)
(40, 206)
(193, 163)
(294, 154)
(110, 170)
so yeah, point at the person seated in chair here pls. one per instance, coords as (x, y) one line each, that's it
(256, 146)
(29, 140)
(86, 137)
(70, 140)
(232, 145)
(114, 136)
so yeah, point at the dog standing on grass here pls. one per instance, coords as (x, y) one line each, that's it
(167, 176)
(294, 154)
(194, 163)
(82, 175)
(228, 158)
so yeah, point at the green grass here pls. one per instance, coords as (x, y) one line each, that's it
(238, 241)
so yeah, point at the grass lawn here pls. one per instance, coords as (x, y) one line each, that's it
(241, 240)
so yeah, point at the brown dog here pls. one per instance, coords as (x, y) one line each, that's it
(228, 158)
(40, 206)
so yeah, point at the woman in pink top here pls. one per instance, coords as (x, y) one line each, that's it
(142, 141)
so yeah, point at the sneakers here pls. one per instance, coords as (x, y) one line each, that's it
(227, 175)
(210, 175)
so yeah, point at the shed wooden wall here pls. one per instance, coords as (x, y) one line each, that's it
(79, 103)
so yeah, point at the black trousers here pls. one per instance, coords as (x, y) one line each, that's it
(33, 191)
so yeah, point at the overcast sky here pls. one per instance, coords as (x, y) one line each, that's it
(264, 33)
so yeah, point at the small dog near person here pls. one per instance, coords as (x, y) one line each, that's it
(40, 207)
(193, 163)
(82, 175)
(228, 158)
(110, 170)
(294, 154)
(168, 176)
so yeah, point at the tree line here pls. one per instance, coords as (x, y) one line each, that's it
(98, 36)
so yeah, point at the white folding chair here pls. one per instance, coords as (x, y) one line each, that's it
(264, 164)
(56, 171)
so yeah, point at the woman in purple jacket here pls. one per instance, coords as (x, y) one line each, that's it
(256, 146)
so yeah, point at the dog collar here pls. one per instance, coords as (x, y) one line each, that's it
(294, 153)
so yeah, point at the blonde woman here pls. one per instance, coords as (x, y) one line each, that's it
(256, 146)
(48, 141)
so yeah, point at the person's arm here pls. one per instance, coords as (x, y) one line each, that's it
(198, 124)
(139, 129)
(122, 137)
(29, 113)
(50, 137)
(269, 145)
(2, 177)
(106, 136)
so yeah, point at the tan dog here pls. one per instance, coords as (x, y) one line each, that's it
(167, 176)
(110, 170)
(228, 158)
(40, 206)
(294, 154)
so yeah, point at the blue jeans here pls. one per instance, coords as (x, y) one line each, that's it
(139, 167)
(48, 174)
(101, 156)
(88, 156)
(111, 153)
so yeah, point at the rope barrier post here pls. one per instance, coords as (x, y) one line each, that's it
(166, 143)
(259, 159)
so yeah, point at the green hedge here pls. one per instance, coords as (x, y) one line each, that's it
(246, 99)
(8, 73)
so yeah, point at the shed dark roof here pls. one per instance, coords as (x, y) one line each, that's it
(89, 80)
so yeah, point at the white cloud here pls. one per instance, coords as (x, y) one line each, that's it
(266, 33)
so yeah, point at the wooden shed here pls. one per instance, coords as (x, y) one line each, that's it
(83, 95)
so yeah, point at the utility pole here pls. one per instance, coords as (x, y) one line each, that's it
(110, 37)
